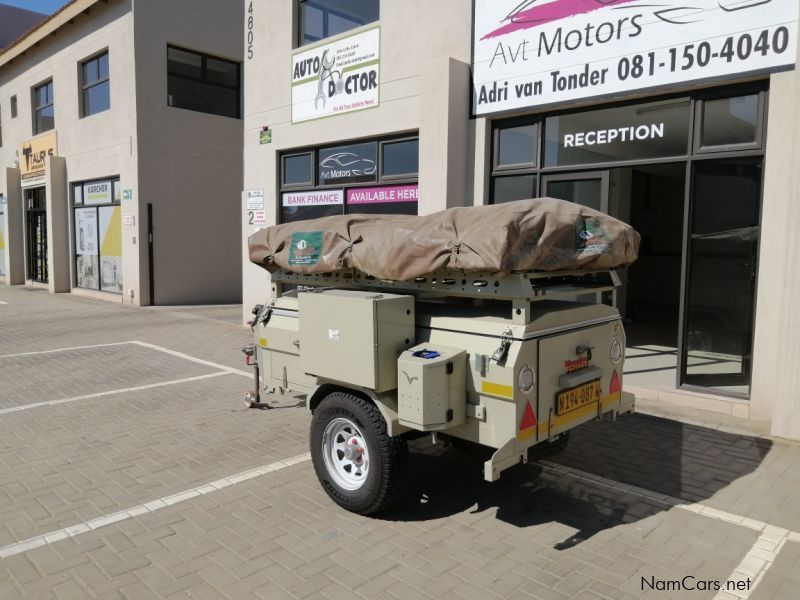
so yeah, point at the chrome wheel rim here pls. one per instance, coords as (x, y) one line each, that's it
(345, 453)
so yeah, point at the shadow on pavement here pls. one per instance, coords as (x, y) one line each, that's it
(672, 458)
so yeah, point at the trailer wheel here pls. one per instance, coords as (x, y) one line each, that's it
(549, 449)
(358, 464)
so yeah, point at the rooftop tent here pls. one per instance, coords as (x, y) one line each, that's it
(542, 234)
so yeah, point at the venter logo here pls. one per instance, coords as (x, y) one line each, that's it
(576, 365)
(305, 248)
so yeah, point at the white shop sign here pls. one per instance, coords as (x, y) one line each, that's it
(538, 53)
(97, 192)
(318, 198)
(338, 77)
(255, 199)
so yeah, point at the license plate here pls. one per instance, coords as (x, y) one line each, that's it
(577, 397)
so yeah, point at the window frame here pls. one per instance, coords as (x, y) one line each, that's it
(300, 20)
(399, 176)
(294, 186)
(537, 124)
(693, 150)
(314, 185)
(37, 108)
(73, 185)
(204, 79)
(699, 120)
(85, 87)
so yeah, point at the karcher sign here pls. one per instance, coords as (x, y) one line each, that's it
(337, 77)
(32, 157)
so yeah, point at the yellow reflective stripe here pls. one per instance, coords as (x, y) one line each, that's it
(262, 342)
(589, 409)
(611, 399)
(526, 434)
(497, 389)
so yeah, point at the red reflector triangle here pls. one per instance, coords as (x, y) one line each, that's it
(615, 386)
(528, 418)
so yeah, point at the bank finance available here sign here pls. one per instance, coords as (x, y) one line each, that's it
(542, 52)
(338, 77)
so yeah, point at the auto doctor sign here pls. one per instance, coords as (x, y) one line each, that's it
(540, 52)
(337, 77)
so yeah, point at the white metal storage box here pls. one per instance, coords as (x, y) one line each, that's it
(355, 337)
(431, 386)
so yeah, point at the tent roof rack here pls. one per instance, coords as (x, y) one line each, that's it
(528, 286)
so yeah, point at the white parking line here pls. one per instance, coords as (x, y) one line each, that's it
(755, 563)
(3, 303)
(188, 357)
(148, 507)
(149, 386)
(194, 359)
(63, 349)
(695, 507)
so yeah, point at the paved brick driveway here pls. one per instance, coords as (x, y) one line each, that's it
(129, 468)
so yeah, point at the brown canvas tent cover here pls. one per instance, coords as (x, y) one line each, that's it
(543, 234)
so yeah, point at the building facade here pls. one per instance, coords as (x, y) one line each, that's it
(121, 152)
(682, 122)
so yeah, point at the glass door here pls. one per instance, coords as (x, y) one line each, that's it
(721, 274)
(587, 189)
(36, 234)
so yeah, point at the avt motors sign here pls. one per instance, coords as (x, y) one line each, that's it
(543, 52)
(337, 77)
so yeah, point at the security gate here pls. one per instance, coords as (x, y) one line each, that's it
(36, 234)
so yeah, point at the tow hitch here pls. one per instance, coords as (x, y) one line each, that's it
(252, 399)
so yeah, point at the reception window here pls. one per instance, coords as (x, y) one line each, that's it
(730, 123)
(686, 171)
(515, 145)
(641, 131)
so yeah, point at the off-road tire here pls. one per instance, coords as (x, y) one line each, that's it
(388, 455)
(548, 449)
